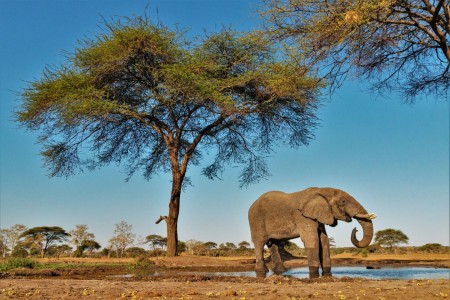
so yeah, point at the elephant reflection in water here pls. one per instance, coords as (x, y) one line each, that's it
(276, 216)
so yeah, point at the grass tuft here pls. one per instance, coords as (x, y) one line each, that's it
(15, 263)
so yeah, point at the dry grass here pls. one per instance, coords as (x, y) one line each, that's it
(95, 260)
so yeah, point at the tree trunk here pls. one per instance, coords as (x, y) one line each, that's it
(172, 218)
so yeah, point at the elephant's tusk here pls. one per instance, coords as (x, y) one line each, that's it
(366, 216)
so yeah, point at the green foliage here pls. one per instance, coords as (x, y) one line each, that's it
(44, 237)
(390, 238)
(396, 45)
(135, 252)
(181, 247)
(15, 263)
(142, 262)
(156, 241)
(141, 75)
(434, 248)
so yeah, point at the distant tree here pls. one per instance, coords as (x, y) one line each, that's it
(194, 247)
(140, 94)
(433, 248)
(182, 247)
(155, 241)
(90, 246)
(45, 236)
(230, 245)
(209, 246)
(395, 44)
(123, 237)
(58, 250)
(390, 238)
(78, 236)
(135, 251)
(105, 252)
(9, 238)
(243, 245)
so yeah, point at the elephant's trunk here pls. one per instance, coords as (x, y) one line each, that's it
(367, 227)
(358, 212)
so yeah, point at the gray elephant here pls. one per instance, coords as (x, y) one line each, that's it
(277, 216)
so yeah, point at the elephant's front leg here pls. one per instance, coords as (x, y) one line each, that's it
(310, 237)
(325, 260)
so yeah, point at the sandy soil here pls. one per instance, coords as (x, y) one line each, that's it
(178, 280)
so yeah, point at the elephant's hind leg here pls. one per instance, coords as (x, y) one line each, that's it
(276, 258)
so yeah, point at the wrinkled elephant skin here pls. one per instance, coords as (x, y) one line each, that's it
(276, 216)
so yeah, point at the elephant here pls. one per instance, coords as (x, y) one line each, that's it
(276, 216)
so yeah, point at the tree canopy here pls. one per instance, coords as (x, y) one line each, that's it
(390, 237)
(142, 96)
(79, 236)
(45, 236)
(400, 45)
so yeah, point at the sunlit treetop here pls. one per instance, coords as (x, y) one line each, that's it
(141, 93)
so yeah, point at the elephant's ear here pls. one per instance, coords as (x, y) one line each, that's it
(317, 208)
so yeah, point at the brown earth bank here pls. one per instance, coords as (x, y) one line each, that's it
(179, 278)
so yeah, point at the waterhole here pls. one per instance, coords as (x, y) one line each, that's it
(360, 272)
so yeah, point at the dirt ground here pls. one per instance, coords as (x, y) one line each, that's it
(179, 278)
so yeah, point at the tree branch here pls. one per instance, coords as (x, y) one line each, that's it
(160, 219)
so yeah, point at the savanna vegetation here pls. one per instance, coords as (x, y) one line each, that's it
(52, 241)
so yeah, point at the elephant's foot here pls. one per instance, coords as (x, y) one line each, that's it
(261, 267)
(313, 272)
(279, 269)
(326, 271)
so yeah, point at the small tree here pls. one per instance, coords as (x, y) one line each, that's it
(141, 94)
(90, 246)
(45, 236)
(58, 250)
(194, 247)
(209, 246)
(78, 236)
(243, 245)
(155, 241)
(9, 238)
(123, 237)
(390, 238)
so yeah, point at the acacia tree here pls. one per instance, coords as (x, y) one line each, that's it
(396, 44)
(90, 246)
(45, 236)
(390, 237)
(155, 240)
(140, 93)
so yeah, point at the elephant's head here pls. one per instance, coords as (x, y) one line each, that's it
(327, 206)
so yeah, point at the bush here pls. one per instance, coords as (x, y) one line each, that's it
(15, 263)
(142, 262)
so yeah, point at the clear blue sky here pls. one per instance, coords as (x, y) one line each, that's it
(392, 157)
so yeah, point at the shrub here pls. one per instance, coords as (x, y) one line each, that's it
(15, 263)
(142, 262)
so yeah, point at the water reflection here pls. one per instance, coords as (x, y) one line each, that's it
(361, 272)
(383, 273)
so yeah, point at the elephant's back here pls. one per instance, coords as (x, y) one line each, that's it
(269, 201)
